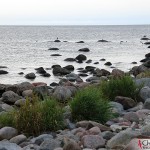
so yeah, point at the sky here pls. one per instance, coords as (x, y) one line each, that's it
(74, 12)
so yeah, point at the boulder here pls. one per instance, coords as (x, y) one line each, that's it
(102, 40)
(62, 93)
(122, 138)
(131, 116)
(93, 141)
(117, 73)
(84, 50)
(133, 145)
(69, 67)
(27, 93)
(56, 55)
(7, 133)
(125, 101)
(138, 69)
(6, 145)
(147, 55)
(116, 107)
(10, 97)
(70, 59)
(3, 72)
(143, 82)
(147, 104)
(145, 38)
(6, 107)
(81, 57)
(101, 72)
(54, 84)
(55, 49)
(46, 75)
(147, 64)
(20, 102)
(50, 144)
(30, 75)
(40, 70)
(102, 59)
(90, 68)
(145, 130)
(53, 66)
(147, 43)
(18, 139)
(145, 93)
(94, 131)
(60, 71)
(107, 135)
(108, 64)
(24, 86)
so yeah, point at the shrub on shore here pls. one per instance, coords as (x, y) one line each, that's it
(35, 117)
(123, 86)
(89, 104)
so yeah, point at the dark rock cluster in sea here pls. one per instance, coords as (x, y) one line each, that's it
(120, 133)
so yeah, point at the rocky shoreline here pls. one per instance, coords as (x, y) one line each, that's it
(120, 133)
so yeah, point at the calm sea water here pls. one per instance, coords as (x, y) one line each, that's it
(27, 47)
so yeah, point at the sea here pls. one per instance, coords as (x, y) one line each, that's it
(24, 48)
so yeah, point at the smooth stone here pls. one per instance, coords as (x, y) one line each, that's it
(55, 49)
(40, 70)
(108, 64)
(131, 116)
(7, 107)
(145, 93)
(145, 38)
(95, 131)
(81, 57)
(50, 144)
(83, 74)
(30, 76)
(53, 66)
(117, 73)
(56, 55)
(101, 72)
(69, 67)
(70, 59)
(18, 139)
(84, 50)
(88, 61)
(7, 133)
(147, 104)
(122, 138)
(3, 67)
(125, 101)
(144, 82)
(147, 43)
(147, 64)
(96, 63)
(20, 73)
(93, 141)
(6, 145)
(3, 72)
(147, 55)
(24, 86)
(10, 97)
(90, 79)
(60, 71)
(27, 93)
(134, 62)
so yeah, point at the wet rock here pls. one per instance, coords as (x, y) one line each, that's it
(93, 141)
(147, 64)
(6, 145)
(54, 84)
(108, 64)
(39, 84)
(145, 93)
(53, 66)
(147, 104)
(101, 72)
(89, 61)
(3, 67)
(90, 68)
(96, 63)
(20, 73)
(138, 69)
(84, 50)
(90, 79)
(60, 71)
(125, 101)
(70, 59)
(134, 62)
(147, 43)
(122, 138)
(147, 55)
(54, 49)
(3, 72)
(80, 42)
(30, 76)
(102, 40)
(7, 133)
(46, 75)
(56, 55)
(83, 74)
(102, 59)
(69, 67)
(18, 139)
(145, 38)
(10, 97)
(57, 41)
(81, 57)
(40, 70)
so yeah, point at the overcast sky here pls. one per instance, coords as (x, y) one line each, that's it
(74, 12)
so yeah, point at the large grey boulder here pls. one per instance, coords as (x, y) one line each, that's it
(143, 81)
(63, 93)
(147, 104)
(24, 86)
(7, 133)
(116, 107)
(10, 97)
(122, 138)
(145, 93)
(93, 141)
(6, 145)
(18, 139)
